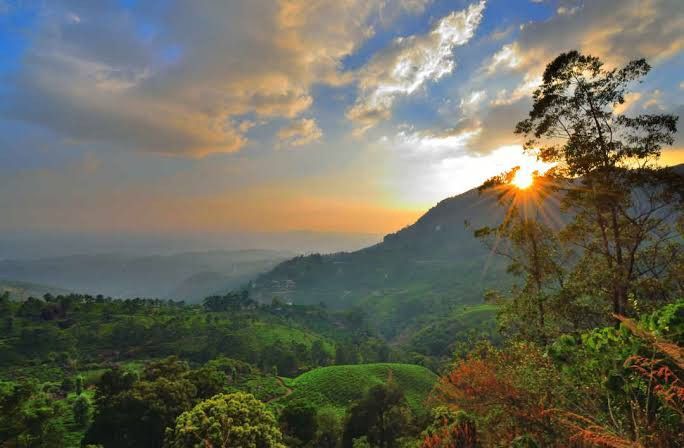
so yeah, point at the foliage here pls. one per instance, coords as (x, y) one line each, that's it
(83, 411)
(639, 373)
(381, 416)
(329, 431)
(334, 387)
(29, 416)
(64, 333)
(298, 420)
(623, 206)
(226, 420)
(618, 239)
(607, 387)
(506, 390)
(450, 429)
(135, 412)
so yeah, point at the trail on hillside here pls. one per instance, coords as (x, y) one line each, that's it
(288, 390)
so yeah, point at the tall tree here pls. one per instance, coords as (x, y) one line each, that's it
(623, 206)
(534, 254)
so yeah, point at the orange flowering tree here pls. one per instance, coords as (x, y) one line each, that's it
(505, 390)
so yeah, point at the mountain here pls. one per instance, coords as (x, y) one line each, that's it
(188, 276)
(438, 252)
(430, 267)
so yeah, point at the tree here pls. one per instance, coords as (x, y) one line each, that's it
(29, 417)
(208, 381)
(382, 416)
(450, 429)
(320, 356)
(280, 359)
(133, 412)
(534, 253)
(298, 420)
(79, 384)
(83, 411)
(329, 429)
(238, 420)
(623, 206)
(346, 353)
(506, 391)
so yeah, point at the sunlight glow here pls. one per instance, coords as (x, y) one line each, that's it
(523, 179)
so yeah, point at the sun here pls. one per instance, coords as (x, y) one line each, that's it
(523, 179)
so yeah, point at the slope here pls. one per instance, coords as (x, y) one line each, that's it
(337, 386)
(424, 269)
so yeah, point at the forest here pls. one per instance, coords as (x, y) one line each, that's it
(580, 346)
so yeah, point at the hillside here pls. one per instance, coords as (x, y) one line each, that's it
(437, 253)
(426, 268)
(23, 290)
(337, 386)
(188, 276)
(414, 277)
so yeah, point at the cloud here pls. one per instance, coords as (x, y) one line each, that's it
(300, 132)
(630, 100)
(506, 58)
(409, 63)
(523, 90)
(426, 144)
(174, 77)
(615, 30)
(472, 102)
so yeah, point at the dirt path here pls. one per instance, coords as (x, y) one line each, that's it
(288, 390)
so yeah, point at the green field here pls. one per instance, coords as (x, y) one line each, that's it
(338, 386)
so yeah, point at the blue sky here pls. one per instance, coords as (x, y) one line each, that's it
(281, 115)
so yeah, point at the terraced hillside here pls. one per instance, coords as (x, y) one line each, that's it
(337, 386)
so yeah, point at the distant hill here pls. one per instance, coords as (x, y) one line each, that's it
(426, 268)
(188, 276)
(23, 290)
(437, 252)
(337, 386)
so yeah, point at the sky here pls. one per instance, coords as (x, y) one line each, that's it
(346, 116)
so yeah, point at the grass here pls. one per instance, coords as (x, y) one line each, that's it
(269, 333)
(264, 388)
(337, 387)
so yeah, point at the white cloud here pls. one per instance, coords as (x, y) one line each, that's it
(508, 57)
(409, 63)
(300, 132)
(426, 143)
(472, 102)
(523, 90)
